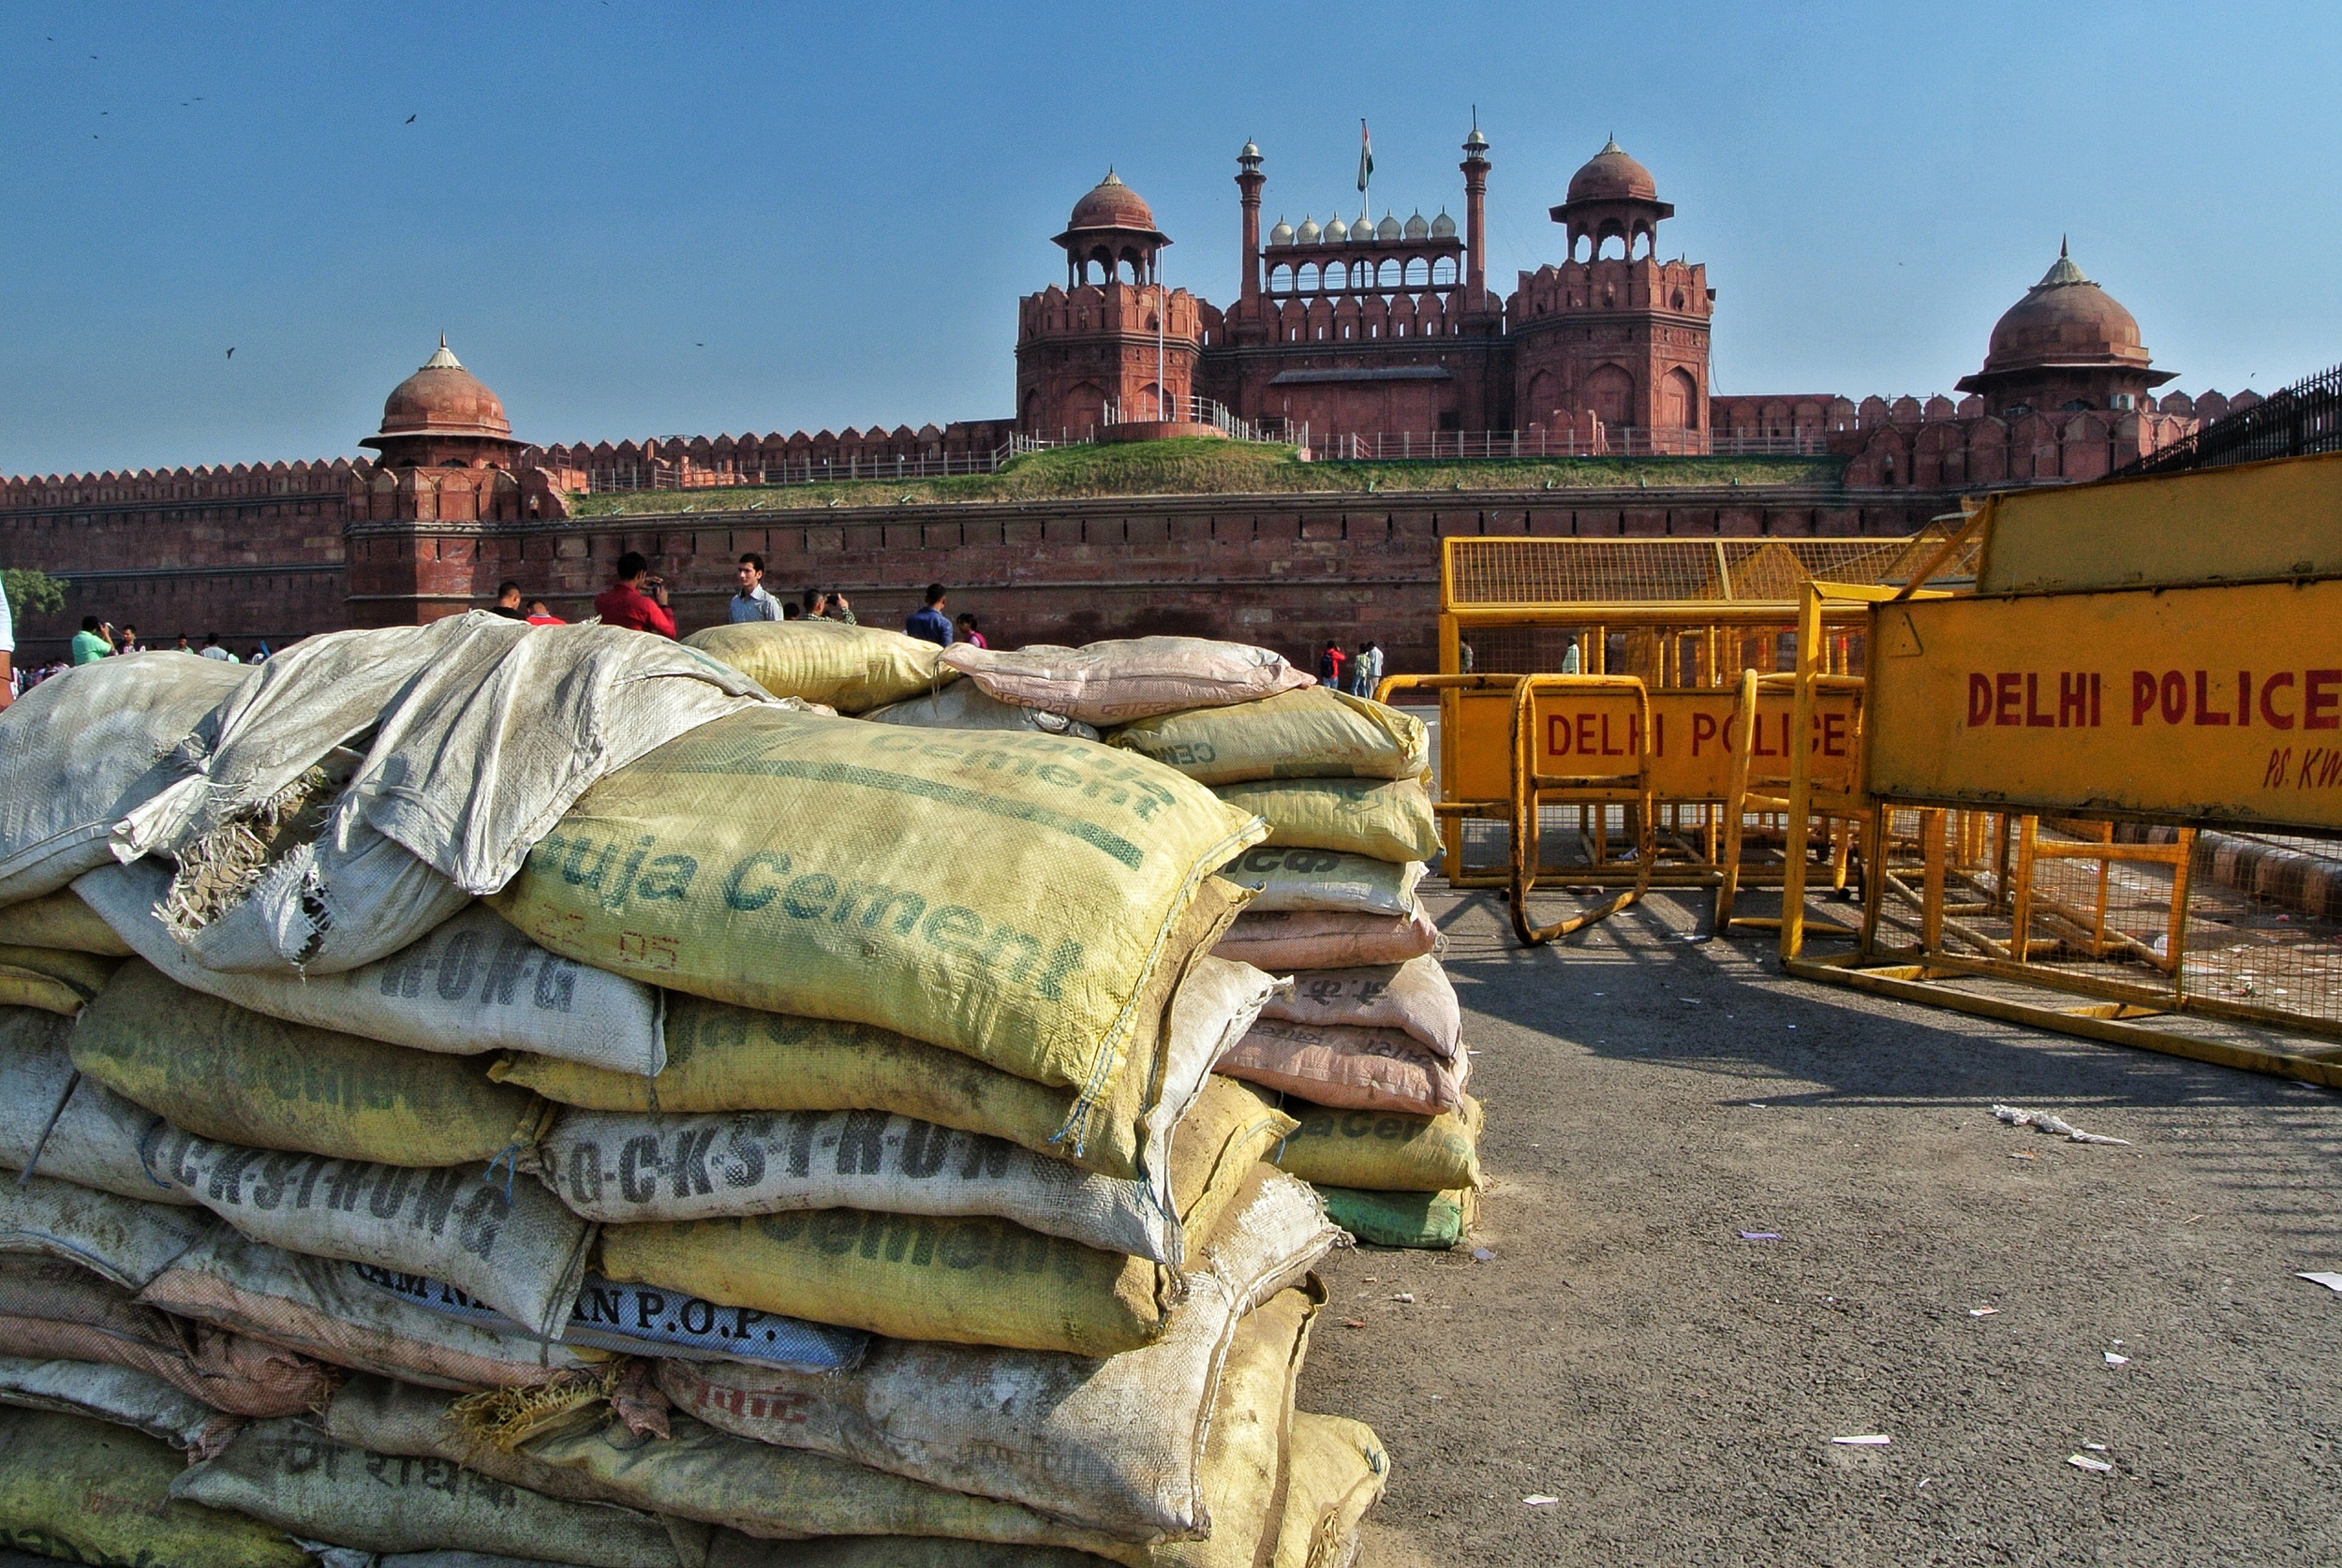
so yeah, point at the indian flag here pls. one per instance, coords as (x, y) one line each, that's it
(1366, 157)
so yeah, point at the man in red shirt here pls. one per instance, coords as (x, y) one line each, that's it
(1329, 664)
(637, 600)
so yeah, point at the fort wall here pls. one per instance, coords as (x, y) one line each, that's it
(1940, 444)
(1289, 572)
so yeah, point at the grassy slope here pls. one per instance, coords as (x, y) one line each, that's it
(1202, 466)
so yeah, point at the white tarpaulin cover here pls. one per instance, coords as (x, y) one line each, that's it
(355, 793)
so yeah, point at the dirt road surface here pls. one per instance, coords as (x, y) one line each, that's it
(1675, 1388)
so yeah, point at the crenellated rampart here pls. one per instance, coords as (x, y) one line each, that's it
(1941, 444)
(325, 477)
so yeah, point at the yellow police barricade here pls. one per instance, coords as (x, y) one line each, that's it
(1762, 781)
(1475, 761)
(1591, 747)
(1547, 605)
(2060, 740)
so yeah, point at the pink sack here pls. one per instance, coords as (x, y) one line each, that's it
(1283, 941)
(1119, 682)
(1347, 1067)
(52, 1310)
(1414, 997)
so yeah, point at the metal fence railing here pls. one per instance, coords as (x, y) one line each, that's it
(2305, 418)
(830, 471)
(1190, 409)
(1610, 441)
(1381, 446)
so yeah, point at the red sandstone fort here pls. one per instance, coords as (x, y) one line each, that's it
(1363, 337)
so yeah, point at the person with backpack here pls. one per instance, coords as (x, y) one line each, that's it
(1330, 665)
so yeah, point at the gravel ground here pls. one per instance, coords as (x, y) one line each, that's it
(1675, 1388)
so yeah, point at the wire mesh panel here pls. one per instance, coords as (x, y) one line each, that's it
(1563, 571)
(2258, 918)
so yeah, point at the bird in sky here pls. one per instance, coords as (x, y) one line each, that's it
(410, 119)
(232, 353)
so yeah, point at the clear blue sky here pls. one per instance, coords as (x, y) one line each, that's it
(635, 219)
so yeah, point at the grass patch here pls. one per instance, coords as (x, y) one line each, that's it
(1199, 466)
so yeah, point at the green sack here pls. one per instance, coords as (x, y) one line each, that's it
(1005, 895)
(1388, 821)
(1315, 732)
(87, 1491)
(1434, 1221)
(243, 1077)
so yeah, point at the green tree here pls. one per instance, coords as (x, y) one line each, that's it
(31, 592)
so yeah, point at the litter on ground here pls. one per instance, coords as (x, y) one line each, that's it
(2042, 1122)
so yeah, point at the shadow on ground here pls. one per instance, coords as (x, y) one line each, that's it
(1675, 1387)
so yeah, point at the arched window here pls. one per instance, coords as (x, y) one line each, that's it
(1610, 393)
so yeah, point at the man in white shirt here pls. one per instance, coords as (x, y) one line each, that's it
(752, 602)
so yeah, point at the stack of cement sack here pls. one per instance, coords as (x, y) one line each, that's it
(531, 1093)
(1366, 1049)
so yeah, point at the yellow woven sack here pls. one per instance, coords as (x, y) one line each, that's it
(853, 669)
(1244, 1454)
(1002, 894)
(60, 919)
(1381, 820)
(697, 1473)
(969, 1282)
(1213, 1151)
(89, 1491)
(722, 1058)
(220, 1072)
(1383, 1151)
(1315, 732)
(1335, 1469)
(54, 978)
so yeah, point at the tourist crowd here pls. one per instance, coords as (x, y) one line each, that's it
(636, 598)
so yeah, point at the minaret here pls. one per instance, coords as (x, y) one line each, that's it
(1475, 173)
(1249, 180)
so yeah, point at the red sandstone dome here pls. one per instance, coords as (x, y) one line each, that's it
(1610, 175)
(1112, 205)
(443, 399)
(2064, 319)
